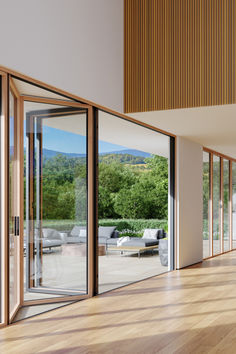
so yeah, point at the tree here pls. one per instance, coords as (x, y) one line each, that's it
(126, 190)
(115, 176)
(106, 204)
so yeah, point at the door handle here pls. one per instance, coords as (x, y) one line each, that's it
(16, 226)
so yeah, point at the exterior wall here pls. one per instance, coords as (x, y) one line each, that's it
(75, 45)
(189, 202)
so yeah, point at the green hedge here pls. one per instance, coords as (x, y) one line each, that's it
(135, 225)
(62, 225)
(123, 225)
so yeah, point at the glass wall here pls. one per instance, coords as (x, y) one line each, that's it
(234, 204)
(216, 206)
(53, 144)
(219, 212)
(226, 206)
(133, 232)
(206, 205)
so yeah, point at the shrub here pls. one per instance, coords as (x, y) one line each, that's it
(137, 225)
(125, 226)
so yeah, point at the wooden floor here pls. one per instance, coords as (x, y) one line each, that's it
(187, 311)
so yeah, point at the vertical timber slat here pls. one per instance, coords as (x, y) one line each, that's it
(178, 54)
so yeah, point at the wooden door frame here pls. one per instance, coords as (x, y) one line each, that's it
(4, 201)
(90, 177)
(17, 183)
(230, 160)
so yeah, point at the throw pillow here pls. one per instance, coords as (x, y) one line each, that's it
(75, 231)
(83, 233)
(106, 231)
(150, 234)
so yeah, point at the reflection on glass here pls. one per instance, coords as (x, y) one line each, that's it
(56, 201)
(206, 198)
(234, 203)
(133, 202)
(226, 232)
(216, 205)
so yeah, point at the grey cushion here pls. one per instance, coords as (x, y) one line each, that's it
(102, 240)
(112, 241)
(106, 231)
(76, 239)
(51, 243)
(140, 242)
(51, 234)
(76, 230)
(82, 239)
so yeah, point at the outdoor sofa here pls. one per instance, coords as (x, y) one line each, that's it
(148, 242)
(50, 238)
(150, 237)
(109, 236)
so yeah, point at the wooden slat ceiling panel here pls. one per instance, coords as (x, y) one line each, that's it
(179, 54)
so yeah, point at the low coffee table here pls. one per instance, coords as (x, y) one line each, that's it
(101, 250)
(134, 249)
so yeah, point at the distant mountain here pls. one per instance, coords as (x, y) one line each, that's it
(128, 152)
(122, 158)
(51, 153)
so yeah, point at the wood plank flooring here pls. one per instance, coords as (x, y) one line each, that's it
(188, 311)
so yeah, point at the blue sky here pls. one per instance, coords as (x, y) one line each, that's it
(59, 140)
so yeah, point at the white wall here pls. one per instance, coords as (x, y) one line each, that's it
(189, 202)
(75, 45)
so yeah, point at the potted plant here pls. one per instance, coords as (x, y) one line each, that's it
(163, 251)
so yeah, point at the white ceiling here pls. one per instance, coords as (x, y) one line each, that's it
(122, 132)
(27, 89)
(111, 129)
(213, 127)
(73, 124)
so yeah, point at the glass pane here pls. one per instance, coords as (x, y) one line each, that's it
(234, 202)
(206, 198)
(2, 265)
(226, 230)
(55, 201)
(133, 202)
(13, 240)
(216, 205)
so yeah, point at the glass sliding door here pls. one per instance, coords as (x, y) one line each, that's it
(56, 211)
(219, 204)
(135, 216)
(206, 205)
(4, 152)
(226, 206)
(216, 206)
(234, 204)
(14, 242)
